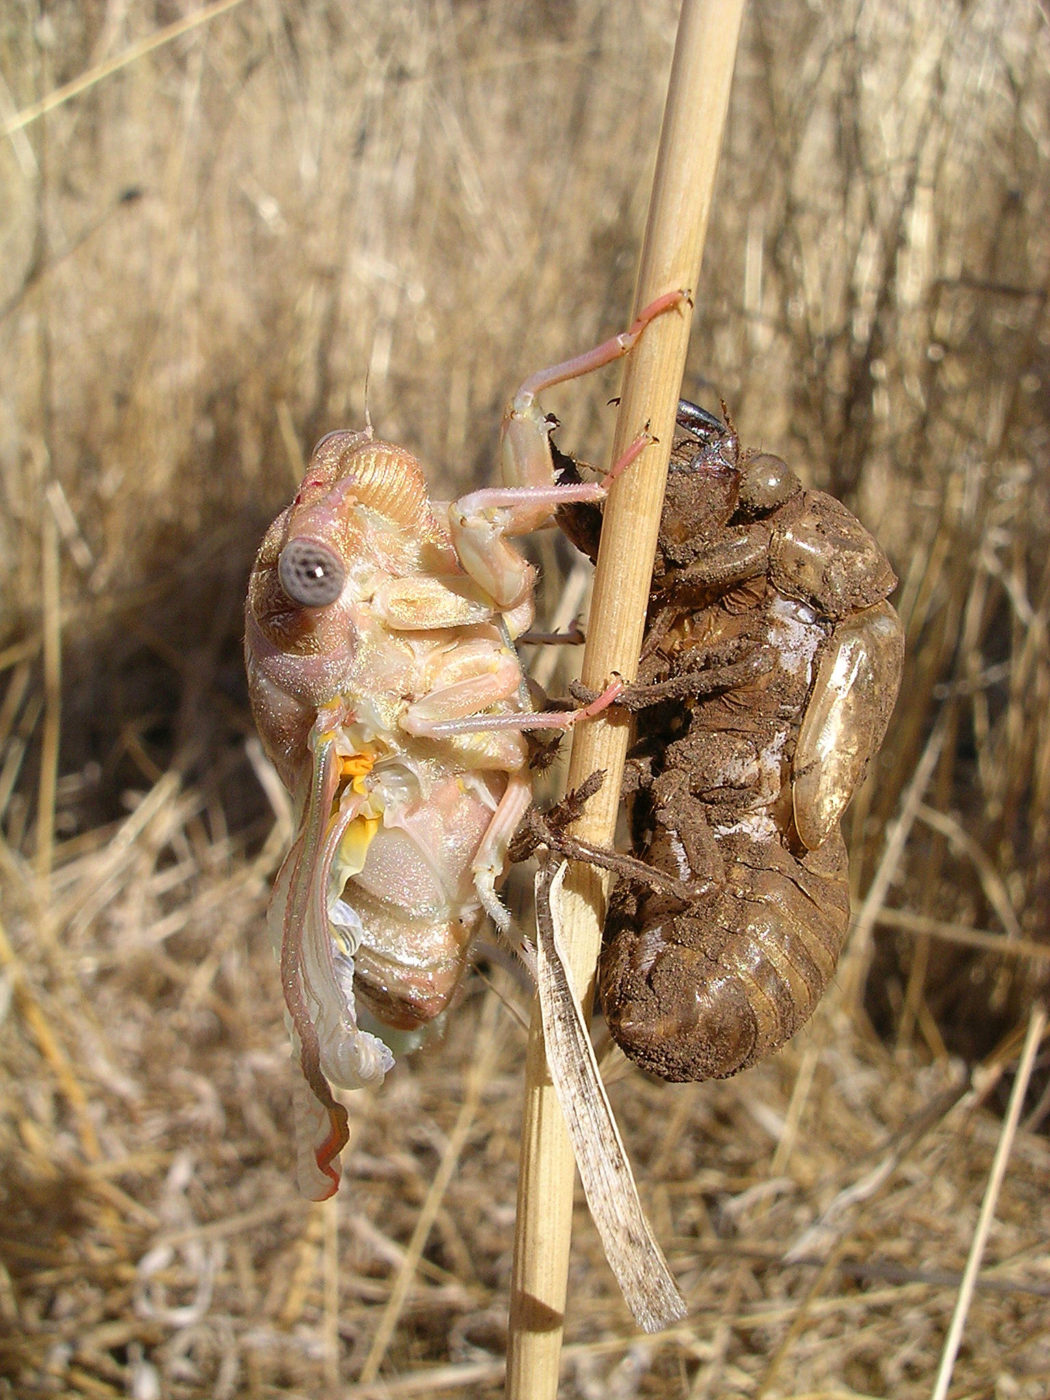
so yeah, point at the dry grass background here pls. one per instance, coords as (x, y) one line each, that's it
(205, 257)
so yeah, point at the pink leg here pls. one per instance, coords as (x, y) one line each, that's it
(603, 354)
(490, 862)
(622, 462)
(553, 719)
(546, 499)
(482, 523)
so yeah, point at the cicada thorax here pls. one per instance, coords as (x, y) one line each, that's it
(768, 599)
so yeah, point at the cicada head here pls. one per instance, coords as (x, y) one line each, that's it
(362, 507)
(702, 484)
(361, 515)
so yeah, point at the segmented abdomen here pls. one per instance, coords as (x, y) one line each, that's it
(709, 990)
(702, 989)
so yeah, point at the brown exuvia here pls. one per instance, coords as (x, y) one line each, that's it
(769, 671)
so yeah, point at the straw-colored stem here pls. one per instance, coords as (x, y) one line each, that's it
(694, 117)
(1036, 1030)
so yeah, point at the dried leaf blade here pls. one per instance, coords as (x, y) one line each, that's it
(630, 1245)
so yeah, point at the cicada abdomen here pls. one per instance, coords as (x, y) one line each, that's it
(769, 672)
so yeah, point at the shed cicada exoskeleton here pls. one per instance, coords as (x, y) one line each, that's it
(770, 667)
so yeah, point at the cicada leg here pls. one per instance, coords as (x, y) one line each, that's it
(484, 522)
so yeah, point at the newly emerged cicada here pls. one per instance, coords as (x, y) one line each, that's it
(770, 667)
(385, 685)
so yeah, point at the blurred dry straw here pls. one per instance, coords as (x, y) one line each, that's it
(205, 256)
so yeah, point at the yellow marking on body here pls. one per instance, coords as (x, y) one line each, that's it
(357, 766)
(353, 848)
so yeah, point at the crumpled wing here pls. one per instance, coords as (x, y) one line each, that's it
(317, 978)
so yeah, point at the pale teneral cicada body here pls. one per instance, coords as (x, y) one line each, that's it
(770, 668)
(387, 691)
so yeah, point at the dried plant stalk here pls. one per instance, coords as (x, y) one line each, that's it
(1033, 1040)
(698, 97)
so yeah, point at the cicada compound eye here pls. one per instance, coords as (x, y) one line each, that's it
(310, 573)
(766, 483)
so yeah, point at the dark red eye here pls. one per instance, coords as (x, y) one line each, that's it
(310, 573)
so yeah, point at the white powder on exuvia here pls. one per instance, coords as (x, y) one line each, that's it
(796, 634)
